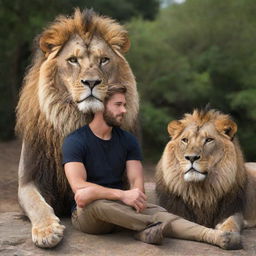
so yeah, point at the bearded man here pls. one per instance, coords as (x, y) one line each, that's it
(95, 158)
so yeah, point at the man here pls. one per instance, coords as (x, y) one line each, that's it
(95, 158)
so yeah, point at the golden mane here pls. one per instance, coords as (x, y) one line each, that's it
(86, 24)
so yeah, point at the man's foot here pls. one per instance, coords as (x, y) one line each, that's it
(152, 234)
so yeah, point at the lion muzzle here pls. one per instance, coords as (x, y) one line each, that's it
(193, 175)
(91, 83)
(192, 158)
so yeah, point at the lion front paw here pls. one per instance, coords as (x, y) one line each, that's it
(230, 241)
(47, 235)
(232, 224)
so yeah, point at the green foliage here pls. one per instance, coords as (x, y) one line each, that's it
(154, 125)
(199, 52)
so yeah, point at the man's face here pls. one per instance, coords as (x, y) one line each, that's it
(115, 109)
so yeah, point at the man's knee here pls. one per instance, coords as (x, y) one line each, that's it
(89, 219)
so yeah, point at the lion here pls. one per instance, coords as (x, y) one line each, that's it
(201, 175)
(75, 60)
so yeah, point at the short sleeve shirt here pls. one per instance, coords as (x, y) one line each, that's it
(104, 160)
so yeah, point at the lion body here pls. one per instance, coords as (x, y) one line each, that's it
(76, 58)
(215, 184)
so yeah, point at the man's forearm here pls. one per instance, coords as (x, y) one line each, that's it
(138, 183)
(90, 192)
(135, 174)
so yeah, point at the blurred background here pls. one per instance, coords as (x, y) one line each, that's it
(184, 54)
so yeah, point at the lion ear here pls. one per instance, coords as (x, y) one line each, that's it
(49, 42)
(122, 49)
(121, 45)
(175, 128)
(226, 127)
(45, 43)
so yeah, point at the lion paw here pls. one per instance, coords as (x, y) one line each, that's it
(230, 241)
(228, 227)
(47, 236)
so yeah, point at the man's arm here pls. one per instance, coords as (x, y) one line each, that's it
(135, 177)
(87, 192)
(135, 174)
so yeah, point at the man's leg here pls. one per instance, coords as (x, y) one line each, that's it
(101, 216)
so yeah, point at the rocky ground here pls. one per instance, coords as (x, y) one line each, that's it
(15, 237)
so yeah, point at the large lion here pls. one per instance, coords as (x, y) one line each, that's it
(201, 175)
(76, 58)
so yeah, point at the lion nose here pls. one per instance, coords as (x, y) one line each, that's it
(192, 158)
(91, 83)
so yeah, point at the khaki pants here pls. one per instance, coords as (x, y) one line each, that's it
(102, 216)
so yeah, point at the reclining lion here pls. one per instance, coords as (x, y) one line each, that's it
(201, 175)
(76, 58)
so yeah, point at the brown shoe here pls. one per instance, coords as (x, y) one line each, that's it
(152, 234)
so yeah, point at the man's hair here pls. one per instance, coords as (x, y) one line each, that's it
(114, 89)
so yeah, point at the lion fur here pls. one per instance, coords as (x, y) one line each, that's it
(213, 200)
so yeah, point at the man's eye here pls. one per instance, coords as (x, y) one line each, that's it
(73, 60)
(104, 60)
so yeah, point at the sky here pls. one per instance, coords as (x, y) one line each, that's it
(165, 3)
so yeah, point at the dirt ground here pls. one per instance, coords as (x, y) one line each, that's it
(9, 160)
(15, 234)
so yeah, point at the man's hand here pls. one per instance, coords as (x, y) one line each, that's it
(134, 198)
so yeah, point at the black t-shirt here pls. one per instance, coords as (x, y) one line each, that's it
(104, 160)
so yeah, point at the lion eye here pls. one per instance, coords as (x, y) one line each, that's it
(104, 60)
(73, 59)
(208, 140)
(185, 140)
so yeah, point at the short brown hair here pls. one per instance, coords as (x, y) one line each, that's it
(114, 89)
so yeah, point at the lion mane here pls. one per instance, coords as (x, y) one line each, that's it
(201, 175)
(46, 110)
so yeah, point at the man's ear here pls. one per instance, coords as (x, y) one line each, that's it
(175, 128)
(227, 127)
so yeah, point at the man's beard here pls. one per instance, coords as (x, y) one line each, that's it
(110, 119)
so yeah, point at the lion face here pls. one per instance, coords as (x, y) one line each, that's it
(76, 58)
(85, 70)
(195, 150)
(200, 146)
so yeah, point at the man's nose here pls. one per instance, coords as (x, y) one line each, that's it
(124, 109)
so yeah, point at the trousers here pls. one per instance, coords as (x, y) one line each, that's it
(102, 216)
